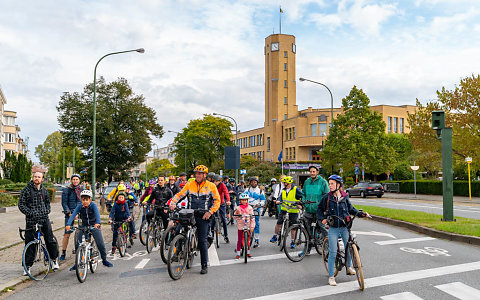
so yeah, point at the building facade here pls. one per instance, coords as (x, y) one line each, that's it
(165, 153)
(299, 135)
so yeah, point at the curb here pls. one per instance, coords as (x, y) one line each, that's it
(467, 239)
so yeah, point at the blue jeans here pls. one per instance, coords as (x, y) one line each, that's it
(97, 236)
(333, 234)
(256, 231)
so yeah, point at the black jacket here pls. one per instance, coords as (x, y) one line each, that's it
(34, 204)
(161, 195)
(174, 188)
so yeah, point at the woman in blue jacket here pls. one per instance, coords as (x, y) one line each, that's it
(337, 203)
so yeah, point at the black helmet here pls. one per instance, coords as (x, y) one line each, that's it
(225, 177)
(183, 174)
(253, 178)
(210, 175)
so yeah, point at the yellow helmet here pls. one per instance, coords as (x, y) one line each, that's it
(121, 187)
(201, 169)
(287, 179)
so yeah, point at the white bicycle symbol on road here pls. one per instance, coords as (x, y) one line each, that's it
(432, 251)
(127, 256)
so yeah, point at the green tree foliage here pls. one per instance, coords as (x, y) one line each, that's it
(124, 125)
(159, 167)
(17, 168)
(403, 156)
(205, 140)
(358, 136)
(46, 152)
(263, 169)
(57, 171)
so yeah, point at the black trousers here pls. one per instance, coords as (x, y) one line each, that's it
(160, 213)
(48, 237)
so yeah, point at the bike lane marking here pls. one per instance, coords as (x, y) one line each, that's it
(374, 233)
(375, 282)
(213, 256)
(142, 263)
(402, 241)
(401, 296)
(460, 291)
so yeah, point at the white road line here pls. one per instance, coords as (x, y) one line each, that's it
(402, 241)
(374, 233)
(401, 296)
(253, 259)
(460, 291)
(142, 263)
(327, 290)
(213, 256)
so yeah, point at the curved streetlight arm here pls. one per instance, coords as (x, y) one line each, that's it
(236, 141)
(331, 96)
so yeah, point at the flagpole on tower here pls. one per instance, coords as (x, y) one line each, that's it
(281, 12)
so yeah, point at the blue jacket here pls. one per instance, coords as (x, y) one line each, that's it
(336, 207)
(131, 198)
(70, 200)
(89, 215)
(119, 212)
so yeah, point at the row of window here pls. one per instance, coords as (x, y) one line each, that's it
(289, 134)
(290, 153)
(250, 141)
(8, 120)
(397, 128)
(258, 155)
(322, 129)
(9, 137)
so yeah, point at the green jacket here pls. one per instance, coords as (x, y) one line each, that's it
(314, 191)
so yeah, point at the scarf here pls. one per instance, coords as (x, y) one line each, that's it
(77, 189)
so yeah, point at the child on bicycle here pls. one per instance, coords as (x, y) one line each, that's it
(90, 216)
(119, 213)
(336, 205)
(246, 210)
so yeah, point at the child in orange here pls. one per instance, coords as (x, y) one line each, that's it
(246, 210)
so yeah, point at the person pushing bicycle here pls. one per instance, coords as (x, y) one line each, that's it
(90, 217)
(336, 205)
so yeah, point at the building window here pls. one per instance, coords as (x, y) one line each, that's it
(285, 116)
(259, 155)
(245, 142)
(285, 54)
(260, 139)
(285, 66)
(9, 121)
(294, 153)
(389, 124)
(401, 125)
(314, 129)
(285, 83)
(268, 144)
(285, 100)
(395, 125)
(322, 127)
(252, 141)
(9, 138)
(294, 135)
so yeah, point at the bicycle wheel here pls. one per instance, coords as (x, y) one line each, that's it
(158, 233)
(318, 241)
(217, 232)
(325, 250)
(41, 261)
(165, 242)
(295, 248)
(150, 238)
(177, 257)
(121, 244)
(81, 265)
(284, 234)
(193, 250)
(93, 259)
(357, 265)
(142, 232)
(245, 245)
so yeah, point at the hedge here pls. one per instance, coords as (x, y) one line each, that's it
(435, 187)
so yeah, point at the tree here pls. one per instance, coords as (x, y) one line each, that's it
(358, 136)
(403, 156)
(205, 140)
(124, 125)
(47, 151)
(159, 167)
(17, 168)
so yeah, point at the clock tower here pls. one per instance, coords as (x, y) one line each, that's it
(280, 89)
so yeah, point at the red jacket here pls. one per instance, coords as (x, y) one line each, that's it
(223, 192)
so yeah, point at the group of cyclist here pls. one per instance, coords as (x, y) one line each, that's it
(206, 193)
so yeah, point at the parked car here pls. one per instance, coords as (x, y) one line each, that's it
(364, 189)
(103, 198)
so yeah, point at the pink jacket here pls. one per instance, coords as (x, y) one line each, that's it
(241, 221)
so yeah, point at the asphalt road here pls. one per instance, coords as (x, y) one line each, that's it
(395, 266)
(459, 210)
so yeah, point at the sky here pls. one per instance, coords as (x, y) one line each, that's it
(205, 56)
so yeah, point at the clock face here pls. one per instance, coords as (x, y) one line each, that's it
(275, 46)
(294, 48)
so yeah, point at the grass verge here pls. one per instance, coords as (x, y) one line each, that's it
(463, 226)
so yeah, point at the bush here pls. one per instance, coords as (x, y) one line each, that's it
(5, 181)
(349, 181)
(51, 194)
(7, 200)
(435, 187)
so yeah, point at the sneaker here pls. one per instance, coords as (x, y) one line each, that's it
(302, 253)
(204, 270)
(256, 244)
(331, 281)
(55, 265)
(73, 268)
(107, 264)
(274, 239)
(292, 245)
(62, 257)
(237, 257)
(113, 249)
(227, 240)
(249, 255)
(351, 271)
(25, 272)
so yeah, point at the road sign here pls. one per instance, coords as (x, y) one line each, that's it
(243, 171)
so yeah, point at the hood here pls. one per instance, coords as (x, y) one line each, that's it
(341, 192)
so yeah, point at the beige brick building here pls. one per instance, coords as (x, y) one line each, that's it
(300, 134)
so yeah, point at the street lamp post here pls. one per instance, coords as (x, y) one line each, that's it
(184, 147)
(236, 141)
(331, 96)
(469, 161)
(414, 168)
(94, 146)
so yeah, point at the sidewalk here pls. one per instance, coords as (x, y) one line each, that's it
(437, 198)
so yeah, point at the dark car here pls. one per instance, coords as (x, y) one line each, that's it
(364, 189)
(111, 186)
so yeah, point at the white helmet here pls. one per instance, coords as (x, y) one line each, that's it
(87, 193)
(273, 179)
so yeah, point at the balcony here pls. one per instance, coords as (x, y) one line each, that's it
(307, 141)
